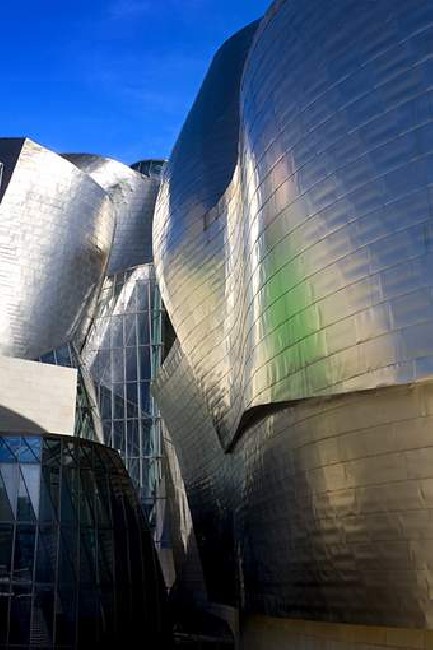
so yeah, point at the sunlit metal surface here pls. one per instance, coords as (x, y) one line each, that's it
(301, 293)
(133, 195)
(311, 272)
(56, 229)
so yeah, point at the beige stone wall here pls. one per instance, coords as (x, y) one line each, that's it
(44, 395)
(265, 633)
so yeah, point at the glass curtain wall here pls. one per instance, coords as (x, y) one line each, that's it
(123, 351)
(77, 564)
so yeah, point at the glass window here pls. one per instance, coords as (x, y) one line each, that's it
(20, 615)
(8, 490)
(49, 496)
(30, 451)
(6, 539)
(24, 554)
(46, 554)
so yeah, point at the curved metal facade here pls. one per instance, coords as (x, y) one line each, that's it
(311, 274)
(133, 195)
(56, 230)
(302, 299)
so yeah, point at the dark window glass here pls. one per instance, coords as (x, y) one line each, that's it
(68, 555)
(46, 553)
(131, 364)
(24, 554)
(20, 615)
(6, 540)
(69, 495)
(66, 615)
(8, 490)
(145, 367)
(51, 451)
(43, 616)
(28, 493)
(4, 607)
(49, 496)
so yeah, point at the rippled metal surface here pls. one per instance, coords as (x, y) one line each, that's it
(188, 240)
(301, 294)
(133, 195)
(311, 275)
(321, 511)
(56, 229)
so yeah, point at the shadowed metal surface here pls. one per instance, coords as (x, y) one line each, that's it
(308, 280)
(56, 229)
(133, 195)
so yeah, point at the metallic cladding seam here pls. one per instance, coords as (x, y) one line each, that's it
(133, 196)
(53, 253)
(311, 276)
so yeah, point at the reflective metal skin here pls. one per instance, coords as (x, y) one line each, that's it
(56, 229)
(311, 275)
(133, 195)
(301, 294)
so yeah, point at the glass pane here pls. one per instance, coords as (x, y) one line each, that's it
(51, 451)
(68, 555)
(145, 396)
(28, 494)
(143, 328)
(20, 615)
(8, 490)
(66, 616)
(116, 328)
(131, 364)
(4, 605)
(24, 554)
(145, 368)
(46, 554)
(6, 540)
(143, 296)
(43, 617)
(31, 450)
(130, 330)
(49, 495)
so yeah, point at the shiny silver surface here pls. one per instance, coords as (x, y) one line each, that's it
(56, 229)
(311, 272)
(133, 195)
(301, 293)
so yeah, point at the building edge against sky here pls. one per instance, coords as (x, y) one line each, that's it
(77, 558)
(296, 268)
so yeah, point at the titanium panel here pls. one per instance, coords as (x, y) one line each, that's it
(329, 502)
(310, 274)
(56, 229)
(133, 195)
(299, 397)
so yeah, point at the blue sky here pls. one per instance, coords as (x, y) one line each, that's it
(113, 77)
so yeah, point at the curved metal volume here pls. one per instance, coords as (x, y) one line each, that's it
(133, 195)
(301, 293)
(311, 274)
(56, 229)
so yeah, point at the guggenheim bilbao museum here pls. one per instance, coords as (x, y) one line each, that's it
(217, 372)
(293, 244)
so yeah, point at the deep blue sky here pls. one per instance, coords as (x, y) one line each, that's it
(114, 77)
